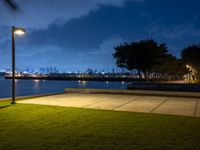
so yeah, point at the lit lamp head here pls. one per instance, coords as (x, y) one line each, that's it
(19, 31)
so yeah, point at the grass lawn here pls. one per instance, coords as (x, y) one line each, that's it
(34, 127)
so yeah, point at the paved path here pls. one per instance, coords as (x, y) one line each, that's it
(147, 104)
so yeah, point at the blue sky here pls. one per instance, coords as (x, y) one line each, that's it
(77, 34)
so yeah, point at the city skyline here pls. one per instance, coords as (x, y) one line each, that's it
(53, 69)
(76, 35)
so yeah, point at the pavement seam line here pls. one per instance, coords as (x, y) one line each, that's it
(96, 102)
(126, 103)
(159, 104)
(195, 111)
(79, 99)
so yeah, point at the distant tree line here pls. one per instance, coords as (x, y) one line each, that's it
(153, 60)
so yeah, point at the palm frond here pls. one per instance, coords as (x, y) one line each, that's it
(11, 4)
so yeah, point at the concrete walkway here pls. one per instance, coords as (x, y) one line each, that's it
(147, 104)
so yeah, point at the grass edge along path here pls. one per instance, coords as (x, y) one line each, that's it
(53, 127)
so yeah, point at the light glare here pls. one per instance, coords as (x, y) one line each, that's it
(19, 31)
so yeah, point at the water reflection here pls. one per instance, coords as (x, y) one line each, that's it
(82, 84)
(36, 84)
(31, 87)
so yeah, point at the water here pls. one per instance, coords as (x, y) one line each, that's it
(33, 87)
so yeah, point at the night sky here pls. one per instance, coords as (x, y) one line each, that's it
(79, 34)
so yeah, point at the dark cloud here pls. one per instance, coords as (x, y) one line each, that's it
(40, 14)
(75, 35)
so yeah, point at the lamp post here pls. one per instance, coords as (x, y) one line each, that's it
(15, 31)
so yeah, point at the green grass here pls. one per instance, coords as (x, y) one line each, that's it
(34, 127)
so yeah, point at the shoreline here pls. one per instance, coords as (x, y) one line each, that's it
(111, 79)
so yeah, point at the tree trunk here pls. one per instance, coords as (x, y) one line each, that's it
(139, 74)
(146, 76)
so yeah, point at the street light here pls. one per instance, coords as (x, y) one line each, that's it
(15, 31)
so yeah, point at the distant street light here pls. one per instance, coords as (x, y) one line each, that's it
(15, 31)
